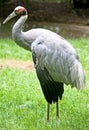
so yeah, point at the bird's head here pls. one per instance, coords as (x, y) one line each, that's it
(19, 10)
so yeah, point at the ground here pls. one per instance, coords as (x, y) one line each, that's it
(26, 65)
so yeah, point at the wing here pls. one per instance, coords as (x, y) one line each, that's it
(51, 89)
(55, 57)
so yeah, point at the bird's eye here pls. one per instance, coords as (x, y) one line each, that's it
(17, 12)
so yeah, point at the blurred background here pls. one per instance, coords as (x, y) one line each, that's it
(69, 18)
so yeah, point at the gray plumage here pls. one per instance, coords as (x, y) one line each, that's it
(55, 60)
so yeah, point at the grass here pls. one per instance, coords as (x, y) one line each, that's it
(22, 104)
(9, 50)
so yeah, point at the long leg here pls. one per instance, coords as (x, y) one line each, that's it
(48, 108)
(57, 110)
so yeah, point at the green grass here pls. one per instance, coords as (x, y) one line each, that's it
(9, 50)
(22, 104)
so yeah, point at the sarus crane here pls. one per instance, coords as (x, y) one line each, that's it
(55, 60)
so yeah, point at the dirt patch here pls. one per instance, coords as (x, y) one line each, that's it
(26, 65)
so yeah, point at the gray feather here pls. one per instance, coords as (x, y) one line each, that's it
(52, 90)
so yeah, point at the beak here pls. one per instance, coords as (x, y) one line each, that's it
(12, 15)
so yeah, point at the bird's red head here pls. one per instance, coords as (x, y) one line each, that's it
(20, 10)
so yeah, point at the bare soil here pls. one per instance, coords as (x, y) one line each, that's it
(18, 64)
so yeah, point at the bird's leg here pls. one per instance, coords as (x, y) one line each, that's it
(48, 107)
(57, 110)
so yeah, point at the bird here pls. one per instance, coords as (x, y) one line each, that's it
(55, 60)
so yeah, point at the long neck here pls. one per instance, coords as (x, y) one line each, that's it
(17, 28)
(17, 33)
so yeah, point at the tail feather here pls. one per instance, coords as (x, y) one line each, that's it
(77, 75)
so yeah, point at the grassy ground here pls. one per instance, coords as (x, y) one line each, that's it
(22, 104)
(9, 50)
